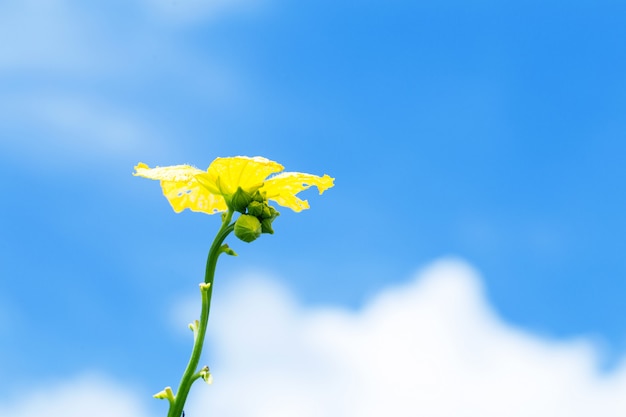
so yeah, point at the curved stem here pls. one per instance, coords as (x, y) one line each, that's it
(206, 289)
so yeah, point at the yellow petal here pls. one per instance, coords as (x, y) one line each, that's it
(181, 188)
(283, 188)
(239, 171)
(192, 195)
(180, 173)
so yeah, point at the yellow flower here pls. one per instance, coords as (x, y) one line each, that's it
(210, 191)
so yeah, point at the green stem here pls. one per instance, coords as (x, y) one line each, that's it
(176, 408)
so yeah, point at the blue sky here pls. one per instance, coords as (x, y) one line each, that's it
(490, 132)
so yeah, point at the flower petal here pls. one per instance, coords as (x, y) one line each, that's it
(181, 188)
(240, 171)
(283, 188)
(179, 173)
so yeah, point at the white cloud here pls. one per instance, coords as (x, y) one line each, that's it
(87, 395)
(432, 347)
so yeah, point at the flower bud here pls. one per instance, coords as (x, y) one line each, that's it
(166, 394)
(258, 197)
(255, 208)
(206, 375)
(194, 327)
(266, 226)
(240, 200)
(269, 215)
(227, 250)
(247, 228)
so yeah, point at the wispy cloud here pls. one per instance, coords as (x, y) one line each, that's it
(200, 10)
(48, 35)
(69, 74)
(58, 127)
(432, 347)
(87, 395)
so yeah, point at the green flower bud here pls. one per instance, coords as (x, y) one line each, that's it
(266, 222)
(206, 375)
(266, 226)
(240, 200)
(194, 328)
(258, 197)
(255, 208)
(166, 394)
(247, 228)
(227, 250)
